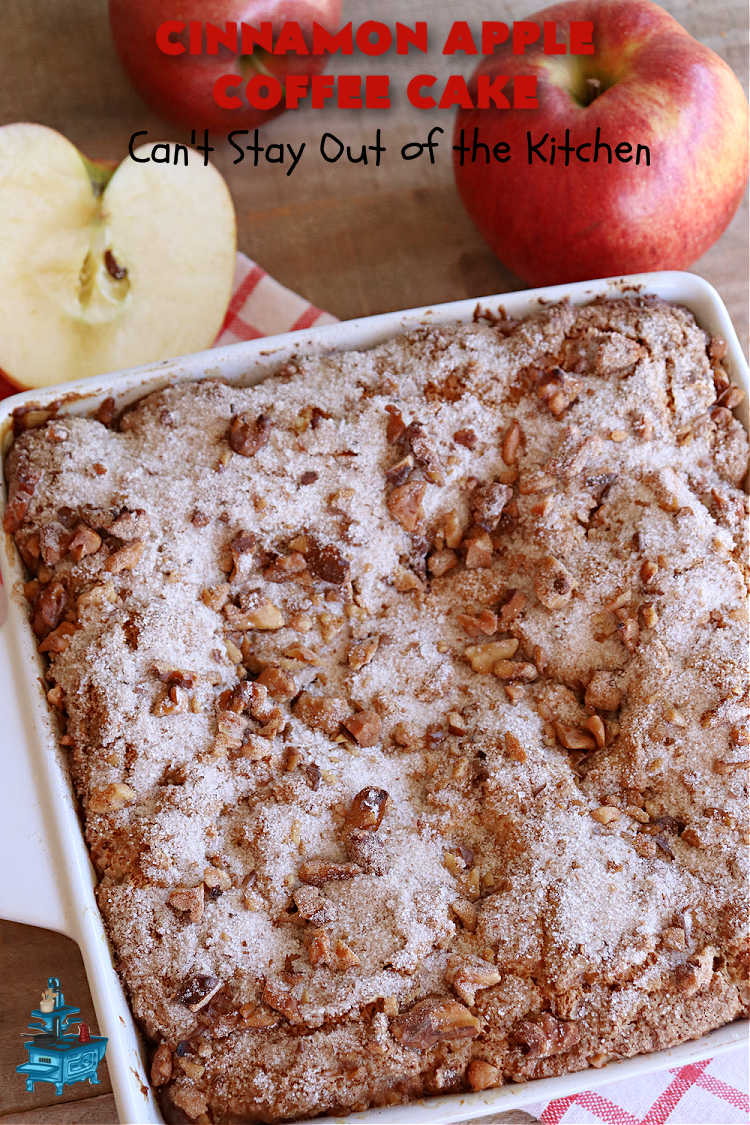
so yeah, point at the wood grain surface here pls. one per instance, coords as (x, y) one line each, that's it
(353, 239)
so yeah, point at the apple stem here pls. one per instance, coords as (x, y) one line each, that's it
(592, 91)
(99, 174)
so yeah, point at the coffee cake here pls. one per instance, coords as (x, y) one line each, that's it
(405, 702)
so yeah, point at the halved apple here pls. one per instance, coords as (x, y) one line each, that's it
(101, 270)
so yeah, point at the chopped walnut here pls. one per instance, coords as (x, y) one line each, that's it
(161, 1065)
(368, 808)
(457, 723)
(553, 583)
(279, 684)
(111, 798)
(606, 814)
(316, 872)
(345, 957)
(466, 912)
(433, 1020)
(452, 530)
(281, 1000)
(216, 597)
(188, 900)
(466, 437)
(478, 550)
(125, 558)
(469, 975)
(440, 562)
(487, 503)
(321, 712)
(59, 639)
(696, 973)
(405, 504)
(267, 617)
(312, 905)
(130, 525)
(559, 390)
(572, 738)
(196, 991)
(510, 610)
(49, 608)
(515, 670)
(318, 945)
(362, 652)
(602, 693)
(595, 724)
(365, 726)
(189, 1100)
(247, 435)
(483, 658)
(482, 1075)
(172, 701)
(511, 443)
(544, 1036)
(85, 541)
(483, 623)
(327, 563)
(285, 567)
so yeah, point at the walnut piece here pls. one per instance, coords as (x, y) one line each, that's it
(367, 808)
(316, 872)
(432, 1020)
(539, 1038)
(196, 991)
(247, 435)
(483, 658)
(188, 900)
(553, 583)
(161, 1065)
(327, 563)
(365, 726)
(85, 541)
(111, 798)
(321, 712)
(482, 1075)
(469, 975)
(405, 504)
(279, 684)
(362, 652)
(602, 693)
(487, 503)
(125, 558)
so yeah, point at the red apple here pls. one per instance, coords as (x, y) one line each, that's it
(180, 87)
(648, 83)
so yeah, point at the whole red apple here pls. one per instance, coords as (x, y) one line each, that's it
(180, 87)
(648, 83)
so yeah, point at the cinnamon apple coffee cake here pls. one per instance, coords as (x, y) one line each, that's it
(404, 696)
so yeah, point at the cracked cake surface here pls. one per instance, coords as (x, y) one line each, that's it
(404, 696)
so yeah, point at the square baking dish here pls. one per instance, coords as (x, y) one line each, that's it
(48, 879)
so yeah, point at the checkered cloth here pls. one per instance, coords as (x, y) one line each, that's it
(712, 1091)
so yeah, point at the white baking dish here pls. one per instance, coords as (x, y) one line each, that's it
(47, 879)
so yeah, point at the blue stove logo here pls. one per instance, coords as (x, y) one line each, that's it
(60, 1054)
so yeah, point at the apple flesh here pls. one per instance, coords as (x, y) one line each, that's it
(180, 87)
(104, 270)
(649, 82)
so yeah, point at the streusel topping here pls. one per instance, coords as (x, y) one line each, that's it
(405, 697)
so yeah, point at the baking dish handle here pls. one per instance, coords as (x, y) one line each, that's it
(29, 888)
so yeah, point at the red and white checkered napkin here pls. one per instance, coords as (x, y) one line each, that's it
(712, 1091)
(260, 306)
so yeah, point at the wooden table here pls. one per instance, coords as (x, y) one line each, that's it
(353, 239)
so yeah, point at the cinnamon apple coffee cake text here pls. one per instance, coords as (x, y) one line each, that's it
(405, 701)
